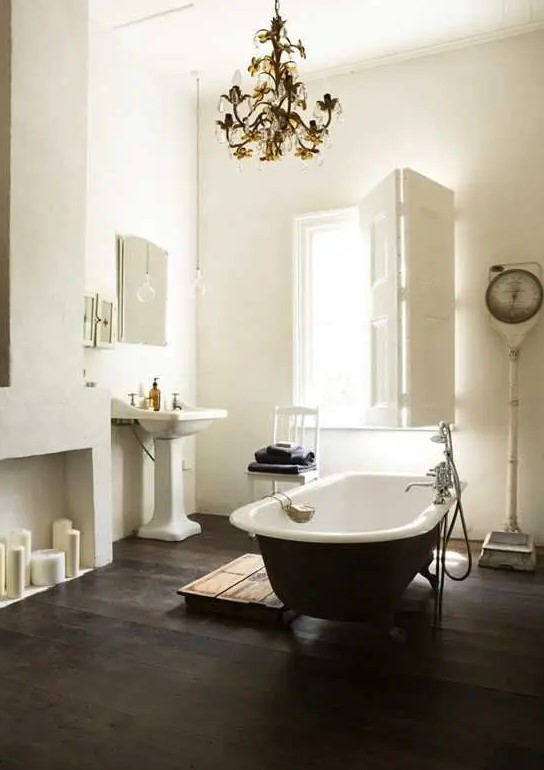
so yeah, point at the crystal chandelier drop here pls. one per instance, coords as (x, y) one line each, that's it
(267, 123)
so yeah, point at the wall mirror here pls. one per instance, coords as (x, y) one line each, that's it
(141, 291)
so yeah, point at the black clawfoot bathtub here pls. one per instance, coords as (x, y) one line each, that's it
(354, 559)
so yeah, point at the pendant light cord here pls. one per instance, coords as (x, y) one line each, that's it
(198, 175)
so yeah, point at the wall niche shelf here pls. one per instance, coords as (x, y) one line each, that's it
(34, 590)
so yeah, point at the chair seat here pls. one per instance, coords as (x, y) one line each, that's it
(280, 468)
(294, 478)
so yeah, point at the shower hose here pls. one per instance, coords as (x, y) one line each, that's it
(444, 437)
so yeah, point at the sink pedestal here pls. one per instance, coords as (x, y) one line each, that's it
(169, 521)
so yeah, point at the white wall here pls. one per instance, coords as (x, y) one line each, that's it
(142, 182)
(47, 410)
(5, 149)
(33, 495)
(471, 119)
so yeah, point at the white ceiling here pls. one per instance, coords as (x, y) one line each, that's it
(215, 36)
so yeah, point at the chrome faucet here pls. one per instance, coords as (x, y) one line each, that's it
(176, 403)
(413, 484)
(442, 484)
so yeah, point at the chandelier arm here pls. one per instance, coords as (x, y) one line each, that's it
(238, 118)
(236, 145)
(301, 143)
(248, 138)
(258, 119)
(303, 124)
(308, 149)
(243, 98)
(325, 126)
(254, 126)
(321, 128)
(281, 102)
(243, 141)
(243, 123)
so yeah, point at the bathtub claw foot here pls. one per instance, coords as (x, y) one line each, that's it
(288, 617)
(428, 575)
(433, 580)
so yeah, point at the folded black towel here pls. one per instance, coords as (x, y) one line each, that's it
(287, 470)
(301, 456)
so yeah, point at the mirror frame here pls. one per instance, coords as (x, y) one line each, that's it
(120, 241)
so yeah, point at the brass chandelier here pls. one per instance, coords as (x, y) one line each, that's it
(267, 123)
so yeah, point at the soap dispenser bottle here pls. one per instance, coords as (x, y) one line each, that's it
(155, 396)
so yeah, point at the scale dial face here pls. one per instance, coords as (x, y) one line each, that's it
(514, 296)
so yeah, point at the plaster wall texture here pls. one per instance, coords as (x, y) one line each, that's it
(46, 410)
(141, 181)
(471, 119)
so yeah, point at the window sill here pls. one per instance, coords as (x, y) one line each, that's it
(374, 428)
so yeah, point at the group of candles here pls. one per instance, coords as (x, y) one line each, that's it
(21, 567)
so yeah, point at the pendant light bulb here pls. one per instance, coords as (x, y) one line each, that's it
(146, 292)
(198, 288)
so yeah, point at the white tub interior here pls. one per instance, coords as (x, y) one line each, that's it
(351, 507)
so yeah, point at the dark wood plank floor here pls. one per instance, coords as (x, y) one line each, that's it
(109, 671)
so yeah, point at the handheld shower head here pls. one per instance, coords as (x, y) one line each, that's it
(443, 436)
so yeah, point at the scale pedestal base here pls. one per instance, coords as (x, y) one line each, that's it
(508, 550)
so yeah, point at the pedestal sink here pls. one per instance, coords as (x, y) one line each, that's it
(168, 429)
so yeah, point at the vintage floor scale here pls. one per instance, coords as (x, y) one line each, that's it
(514, 299)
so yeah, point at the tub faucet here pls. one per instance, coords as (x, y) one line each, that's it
(442, 483)
(418, 484)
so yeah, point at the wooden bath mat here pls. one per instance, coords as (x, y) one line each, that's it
(240, 588)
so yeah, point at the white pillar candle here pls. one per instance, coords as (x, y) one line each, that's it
(60, 530)
(72, 553)
(22, 537)
(47, 567)
(16, 572)
(2, 570)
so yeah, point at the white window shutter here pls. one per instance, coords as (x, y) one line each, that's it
(428, 321)
(380, 230)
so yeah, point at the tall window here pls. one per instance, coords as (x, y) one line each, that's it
(331, 317)
(374, 307)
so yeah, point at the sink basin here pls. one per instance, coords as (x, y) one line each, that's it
(168, 424)
(168, 429)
